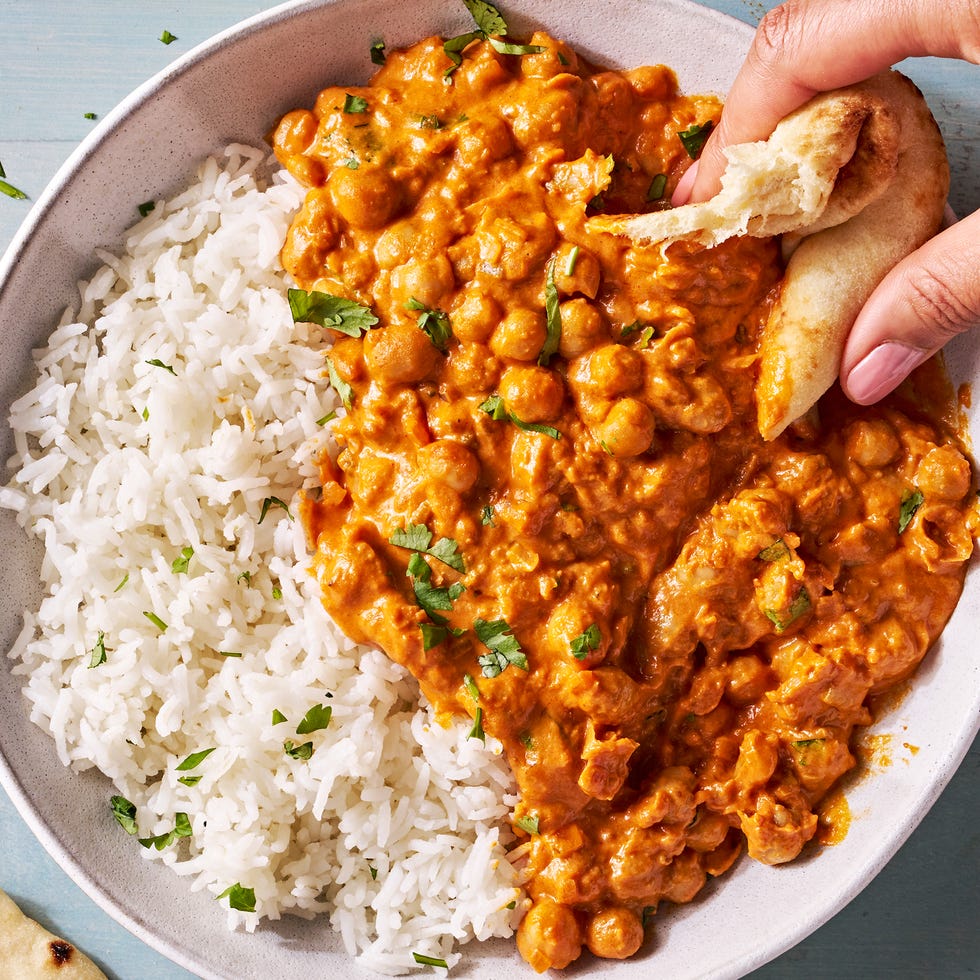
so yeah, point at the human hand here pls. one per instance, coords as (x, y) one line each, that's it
(807, 46)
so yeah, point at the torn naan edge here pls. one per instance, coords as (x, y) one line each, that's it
(29, 952)
(855, 180)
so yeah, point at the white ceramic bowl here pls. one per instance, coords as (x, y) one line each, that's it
(233, 88)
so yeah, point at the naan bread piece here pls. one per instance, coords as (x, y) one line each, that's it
(854, 180)
(29, 952)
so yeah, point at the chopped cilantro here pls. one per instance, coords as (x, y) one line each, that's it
(572, 261)
(471, 689)
(486, 516)
(658, 185)
(91, 115)
(585, 642)
(454, 47)
(417, 537)
(431, 598)
(189, 780)
(179, 564)
(194, 760)
(694, 138)
(424, 960)
(477, 730)
(777, 551)
(245, 577)
(338, 384)
(377, 52)
(435, 633)
(504, 47)
(552, 317)
(273, 502)
(329, 311)
(329, 417)
(15, 192)
(497, 636)
(156, 620)
(303, 751)
(911, 502)
(277, 717)
(495, 408)
(315, 720)
(528, 822)
(782, 620)
(488, 18)
(182, 828)
(433, 323)
(156, 362)
(354, 104)
(239, 897)
(122, 584)
(98, 655)
(229, 653)
(125, 813)
(167, 38)
(145, 208)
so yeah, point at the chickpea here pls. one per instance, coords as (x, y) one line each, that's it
(399, 354)
(613, 369)
(748, 679)
(474, 317)
(615, 934)
(533, 394)
(872, 444)
(757, 760)
(480, 143)
(551, 118)
(628, 428)
(943, 473)
(549, 936)
(585, 274)
(450, 463)
(568, 620)
(347, 358)
(395, 245)
(365, 198)
(582, 327)
(425, 279)
(295, 132)
(520, 335)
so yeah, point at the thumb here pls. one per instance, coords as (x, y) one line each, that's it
(927, 299)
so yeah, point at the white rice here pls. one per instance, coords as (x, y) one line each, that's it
(395, 826)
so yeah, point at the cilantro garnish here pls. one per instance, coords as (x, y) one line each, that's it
(91, 115)
(487, 515)
(167, 38)
(435, 633)
(489, 22)
(782, 620)
(571, 261)
(495, 408)
(303, 751)
(433, 323)
(417, 537)
(471, 689)
(585, 642)
(343, 389)
(529, 822)
(377, 52)
(497, 636)
(98, 655)
(273, 502)
(431, 598)
(329, 311)
(156, 362)
(122, 584)
(194, 760)
(488, 18)
(145, 208)
(179, 565)
(156, 620)
(125, 813)
(911, 502)
(774, 552)
(9, 189)
(424, 960)
(477, 730)
(354, 104)
(695, 137)
(182, 828)
(277, 717)
(240, 898)
(315, 720)
(658, 185)
(552, 317)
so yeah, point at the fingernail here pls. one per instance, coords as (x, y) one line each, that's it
(883, 369)
(683, 189)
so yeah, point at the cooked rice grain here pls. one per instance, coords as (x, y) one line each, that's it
(168, 408)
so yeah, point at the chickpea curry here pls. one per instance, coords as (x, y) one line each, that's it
(551, 502)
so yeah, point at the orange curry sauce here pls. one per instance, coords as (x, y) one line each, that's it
(672, 626)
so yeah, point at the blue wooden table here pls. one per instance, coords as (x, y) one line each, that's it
(63, 60)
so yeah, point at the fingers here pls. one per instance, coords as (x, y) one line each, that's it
(807, 46)
(927, 299)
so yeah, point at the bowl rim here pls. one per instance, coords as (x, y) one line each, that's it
(948, 760)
